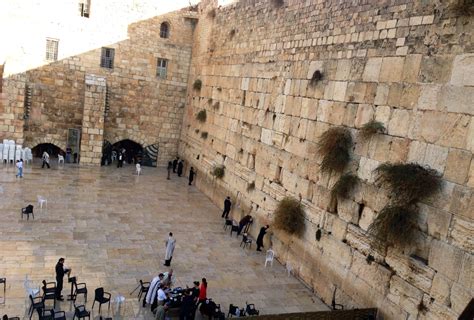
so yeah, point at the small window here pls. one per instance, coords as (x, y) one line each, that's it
(52, 49)
(161, 69)
(85, 8)
(164, 30)
(107, 58)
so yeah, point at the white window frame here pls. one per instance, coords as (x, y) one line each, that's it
(162, 68)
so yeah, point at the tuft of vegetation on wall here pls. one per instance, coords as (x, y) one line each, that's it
(232, 33)
(251, 186)
(289, 216)
(463, 7)
(335, 147)
(408, 182)
(218, 172)
(316, 77)
(344, 186)
(212, 13)
(201, 116)
(216, 105)
(204, 135)
(197, 85)
(371, 128)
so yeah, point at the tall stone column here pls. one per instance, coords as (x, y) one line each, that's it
(92, 136)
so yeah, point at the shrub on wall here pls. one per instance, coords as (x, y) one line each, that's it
(197, 85)
(407, 184)
(204, 135)
(289, 216)
(201, 116)
(316, 77)
(344, 186)
(251, 186)
(335, 146)
(218, 172)
(371, 128)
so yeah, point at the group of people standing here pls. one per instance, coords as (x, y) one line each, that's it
(244, 222)
(177, 166)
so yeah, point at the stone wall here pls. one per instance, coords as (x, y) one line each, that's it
(406, 63)
(142, 107)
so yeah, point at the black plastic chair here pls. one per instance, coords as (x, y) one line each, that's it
(100, 297)
(49, 292)
(4, 282)
(59, 315)
(27, 210)
(45, 314)
(5, 317)
(227, 223)
(144, 286)
(246, 241)
(235, 311)
(79, 288)
(234, 228)
(36, 303)
(250, 310)
(81, 313)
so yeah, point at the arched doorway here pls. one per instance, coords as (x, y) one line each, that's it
(51, 149)
(133, 150)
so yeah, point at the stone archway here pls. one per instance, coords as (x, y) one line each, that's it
(52, 149)
(35, 141)
(133, 150)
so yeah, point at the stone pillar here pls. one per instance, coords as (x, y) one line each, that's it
(92, 136)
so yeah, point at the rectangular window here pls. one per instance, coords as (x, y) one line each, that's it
(162, 68)
(84, 8)
(52, 49)
(107, 58)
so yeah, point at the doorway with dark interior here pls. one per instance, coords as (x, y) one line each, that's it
(133, 151)
(52, 149)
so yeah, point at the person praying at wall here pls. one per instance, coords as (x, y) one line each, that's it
(227, 206)
(243, 222)
(192, 173)
(261, 234)
(175, 164)
(169, 168)
(170, 244)
(180, 168)
(61, 270)
(45, 160)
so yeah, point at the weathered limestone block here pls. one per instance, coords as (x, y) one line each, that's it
(366, 218)
(435, 69)
(372, 69)
(411, 270)
(411, 68)
(462, 233)
(435, 157)
(358, 239)
(405, 295)
(348, 210)
(437, 221)
(340, 88)
(445, 259)
(460, 297)
(457, 99)
(441, 289)
(365, 113)
(428, 99)
(462, 201)
(336, 226)
(457, 166)
(466, 276)
(375, 275)
(392, 69)
(399, 122)
(381, 97)
(463, 70)
(366, 168)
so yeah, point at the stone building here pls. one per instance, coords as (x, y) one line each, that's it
(408, 64)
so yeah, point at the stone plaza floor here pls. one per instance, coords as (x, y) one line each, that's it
(111, 226)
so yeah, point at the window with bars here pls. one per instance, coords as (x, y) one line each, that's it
(52, 49)
(84, 8)
(161, 69)
(164, 30)
(107, 58)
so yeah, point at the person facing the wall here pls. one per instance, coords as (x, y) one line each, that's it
(61, 270)
(45, 159)
(227, 206)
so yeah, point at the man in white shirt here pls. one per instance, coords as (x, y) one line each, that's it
(154, 285)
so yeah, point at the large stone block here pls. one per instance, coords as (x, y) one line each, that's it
(457, 166)
(445, 259)
(399, 123)
(441, 289)
(392, 69)
(463, 70)
(462, 233)
(372, 69)
(405, 295)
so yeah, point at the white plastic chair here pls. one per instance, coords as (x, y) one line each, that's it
(29, 288)
(269, 257)
(1, 152)
(42, 200)
(6, 146)
(11, 151)
(18, 152)
(60, 159)
(28, 155)
(289, 268)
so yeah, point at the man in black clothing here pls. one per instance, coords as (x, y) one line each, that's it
(186, 309)
(243, 222)
(175, 164)
(192, 173)
(180, 168)
(169, 168)
(261, 234)
(60, 272)
(227, 205)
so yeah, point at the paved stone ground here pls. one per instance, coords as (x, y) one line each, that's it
(111, 225)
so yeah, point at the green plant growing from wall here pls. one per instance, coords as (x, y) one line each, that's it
(289, 216)
(218, 172)
(251, 186)
(463, 7)
(201, 116)
(335, 146)
(316, 77)
(204, 135)
(232, 33)
(197, 85)
(407, 183)
(371, 128)
(344, 185)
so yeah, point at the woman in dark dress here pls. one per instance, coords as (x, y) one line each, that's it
(261, 234)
